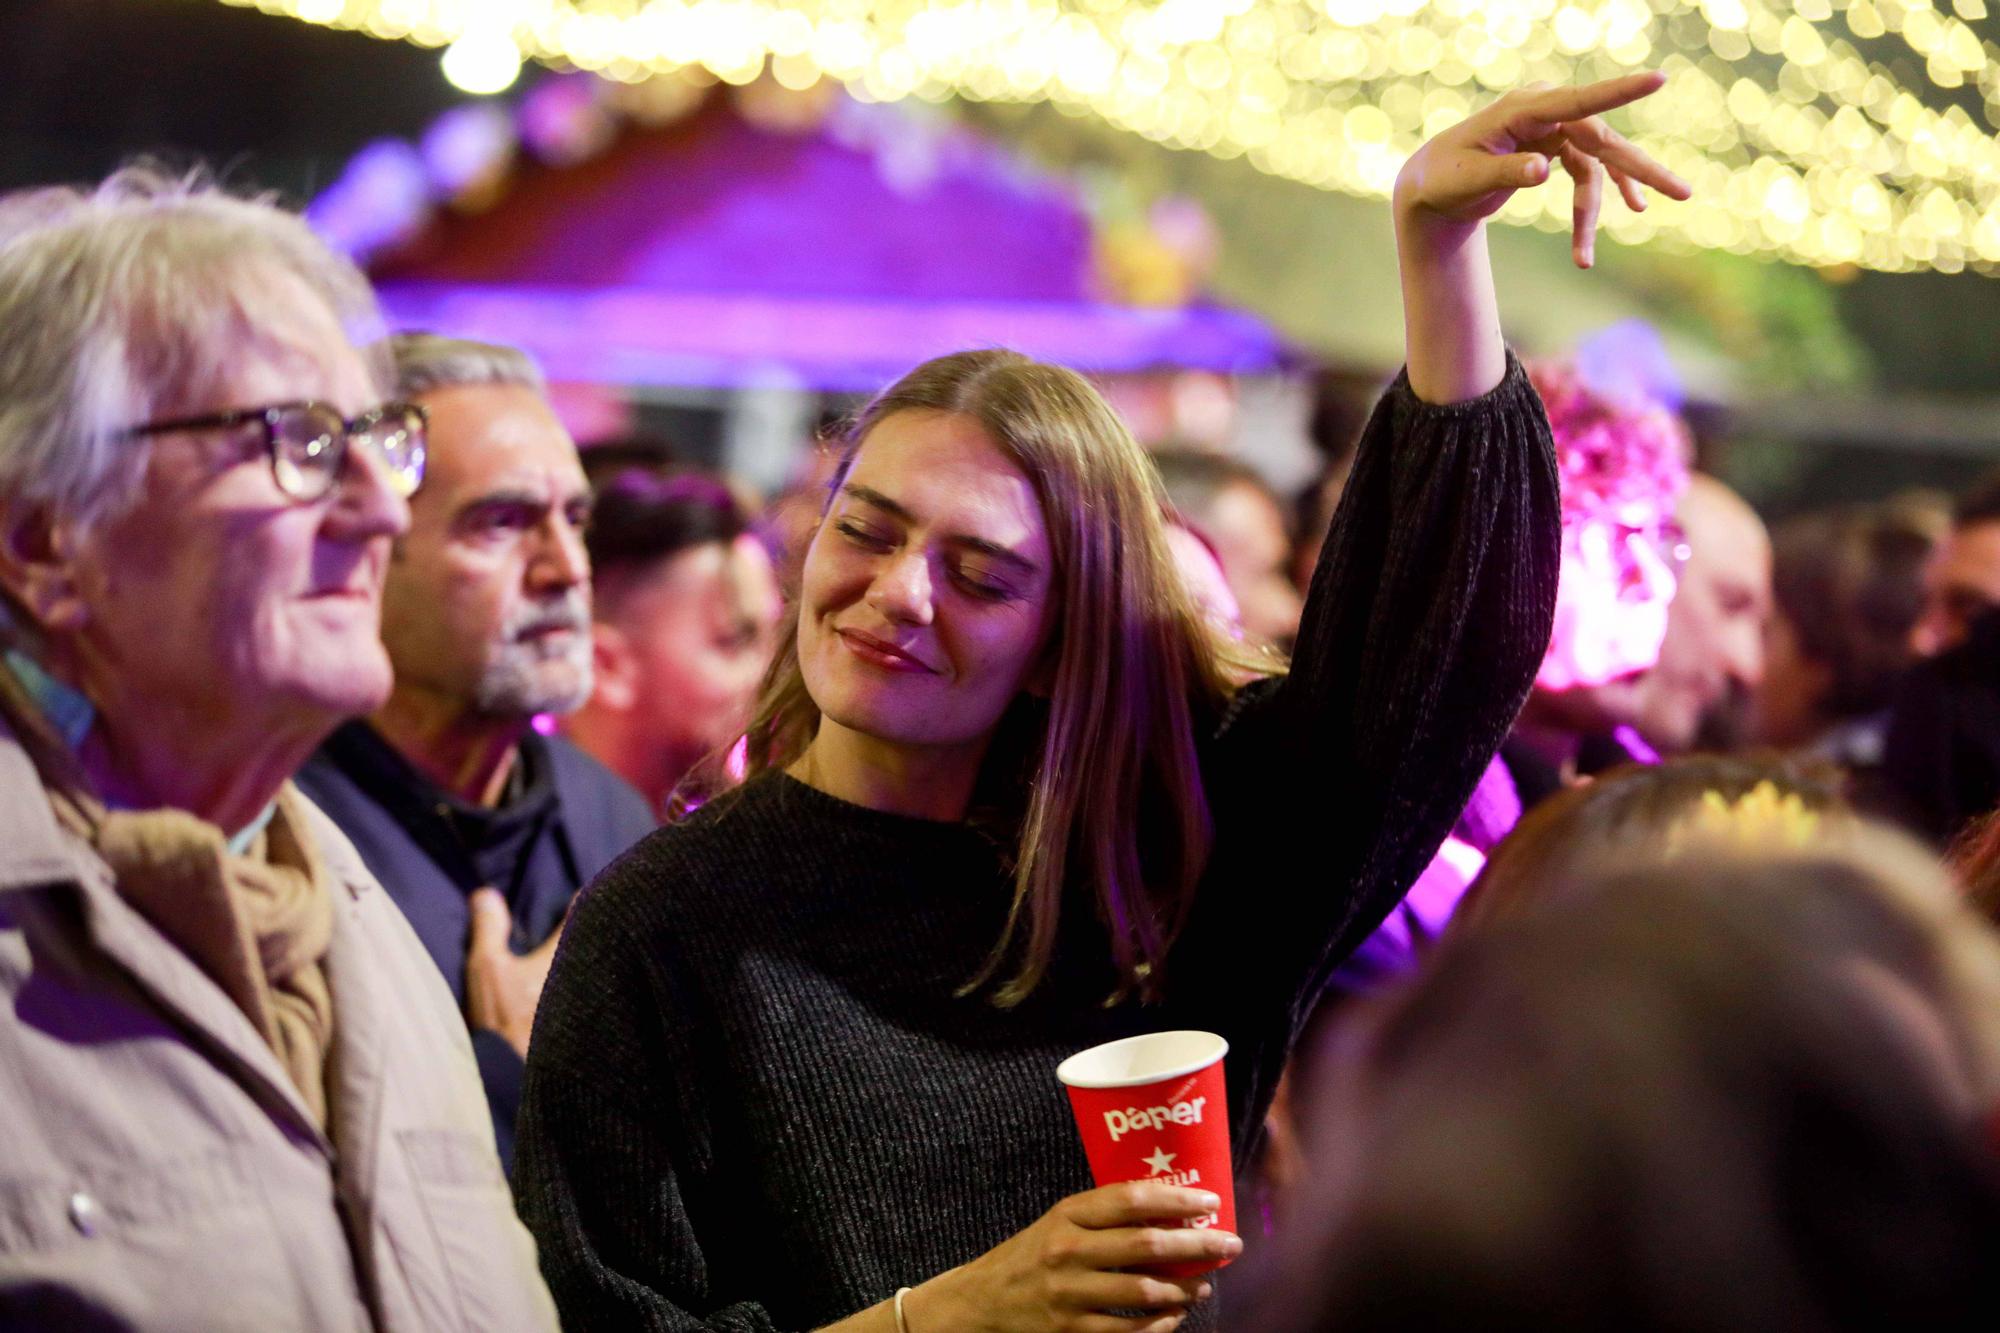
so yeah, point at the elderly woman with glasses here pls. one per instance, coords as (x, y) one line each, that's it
(235, 1090)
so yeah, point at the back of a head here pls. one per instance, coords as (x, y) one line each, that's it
(1708, 1098)
(1640, 815)
(131, 299)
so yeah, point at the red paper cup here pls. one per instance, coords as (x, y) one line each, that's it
(1152, 1108)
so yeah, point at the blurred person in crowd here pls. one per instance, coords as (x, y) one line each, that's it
(998, 720)
(1974, 858)
(482, 828)
(1712, 658)
(1745, 1090)
(1639, 813)
(1962, 580)
(1232, 509)
(686, 604)
(1201, 574)
(1847, 589)
(1642, 814)
(605, 458)
(1624, 466)
(235, 1093)
(1941, 754)
(1340, 406)
(792, 516)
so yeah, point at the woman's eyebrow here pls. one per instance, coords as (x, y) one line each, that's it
(875, 499)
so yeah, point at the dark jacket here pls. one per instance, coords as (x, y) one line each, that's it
(563, 818)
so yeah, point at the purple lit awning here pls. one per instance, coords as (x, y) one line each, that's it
(718, 252)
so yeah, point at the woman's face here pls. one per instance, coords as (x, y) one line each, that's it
(926, 601)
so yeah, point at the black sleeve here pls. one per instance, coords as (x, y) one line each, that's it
(1424, 626)
(608, 1139)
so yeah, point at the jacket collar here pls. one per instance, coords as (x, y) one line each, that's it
(37, 855)
(35, 850)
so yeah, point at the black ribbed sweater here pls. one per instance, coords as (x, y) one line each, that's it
(754, 1101)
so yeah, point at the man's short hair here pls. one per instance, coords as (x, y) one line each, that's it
(129, 299)
(427, 361)
(641, 517)
(1979, 505)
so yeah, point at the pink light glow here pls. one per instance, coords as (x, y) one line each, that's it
(1623, 468)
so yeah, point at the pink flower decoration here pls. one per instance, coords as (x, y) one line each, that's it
(1623, 468)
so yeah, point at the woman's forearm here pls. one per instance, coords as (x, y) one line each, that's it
(1451, 316)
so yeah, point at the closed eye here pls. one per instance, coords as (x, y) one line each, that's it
(985, 589)
(863, 536)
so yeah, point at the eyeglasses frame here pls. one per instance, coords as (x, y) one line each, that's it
(267, 418)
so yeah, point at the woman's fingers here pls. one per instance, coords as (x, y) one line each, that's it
(1553, 106)
(1470, 180)
(1633, 193)
(1614, 150)
(1154, 1247)
(1589, 199)
(1135, 1291)
(1138, 1202)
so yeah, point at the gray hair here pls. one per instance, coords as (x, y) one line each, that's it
(427, 361)
(128, 300)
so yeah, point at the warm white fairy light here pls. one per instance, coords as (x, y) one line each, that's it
(1799, 146)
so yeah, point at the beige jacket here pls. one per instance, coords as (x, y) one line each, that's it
(159, 1171)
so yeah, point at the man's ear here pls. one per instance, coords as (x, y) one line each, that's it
(38, 567)
(614, 667)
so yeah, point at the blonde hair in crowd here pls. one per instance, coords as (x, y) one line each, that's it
(1114, 798)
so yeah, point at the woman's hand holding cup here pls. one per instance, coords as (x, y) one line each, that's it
(1070, 1266)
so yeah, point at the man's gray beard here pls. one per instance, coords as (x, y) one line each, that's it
(525, 678)
(520, 681)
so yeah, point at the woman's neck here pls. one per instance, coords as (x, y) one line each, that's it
(923, 782)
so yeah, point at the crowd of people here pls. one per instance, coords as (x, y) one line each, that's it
(454, 879)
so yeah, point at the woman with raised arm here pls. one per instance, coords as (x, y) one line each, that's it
(1010, 797)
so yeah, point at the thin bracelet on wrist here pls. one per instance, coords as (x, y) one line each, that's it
(902, 1324)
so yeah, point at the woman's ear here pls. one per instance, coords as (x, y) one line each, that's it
(38, 568)
(614, 667)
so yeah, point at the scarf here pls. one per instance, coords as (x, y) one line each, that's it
(257, 922)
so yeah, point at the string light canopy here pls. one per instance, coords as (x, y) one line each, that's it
(1823, 132)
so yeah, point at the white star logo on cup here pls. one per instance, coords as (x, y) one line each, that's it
(1161, 1161)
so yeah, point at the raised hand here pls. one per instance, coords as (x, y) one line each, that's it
(1467, 172)
(1457, 180)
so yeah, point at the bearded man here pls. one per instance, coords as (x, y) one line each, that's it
(482, 828)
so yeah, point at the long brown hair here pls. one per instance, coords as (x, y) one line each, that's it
(1113, 794)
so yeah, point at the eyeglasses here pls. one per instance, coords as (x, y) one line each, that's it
(308, 442)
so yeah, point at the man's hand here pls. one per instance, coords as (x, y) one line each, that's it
(502, 987)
